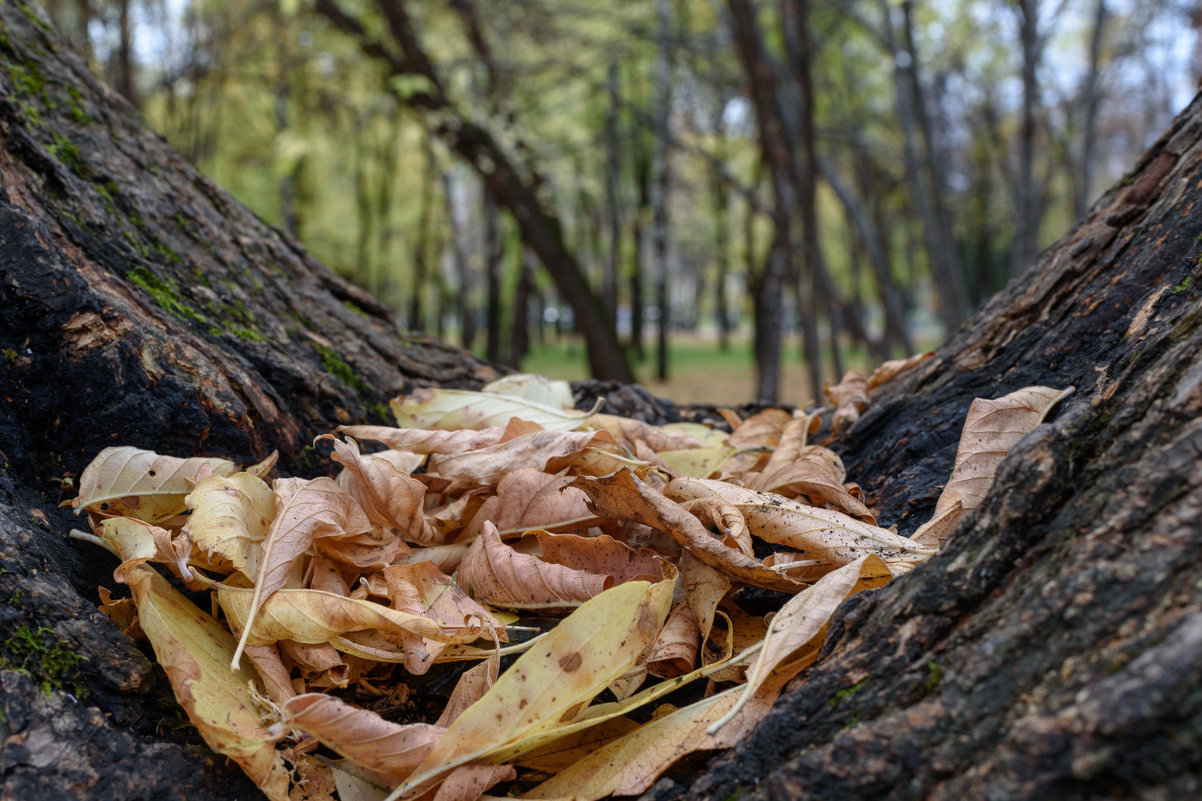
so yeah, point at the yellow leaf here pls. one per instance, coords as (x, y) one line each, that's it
(230, 518)
(195, 651)
(549, 684)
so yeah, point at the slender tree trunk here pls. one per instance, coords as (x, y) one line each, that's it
(613, 208)
(661, 101)
(541, 230)
(462, 266)
(493, 264)
(1090, 100)
(1027, 203)
(768, 297)
(951, 307)
(123, 69)
(720, 218)
(421, 240)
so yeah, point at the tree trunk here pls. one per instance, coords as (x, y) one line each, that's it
(142, 305)
(1054, 650)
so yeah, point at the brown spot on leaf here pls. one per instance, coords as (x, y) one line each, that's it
(570, 662)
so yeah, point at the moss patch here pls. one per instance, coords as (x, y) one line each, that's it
(333, 364)
(165, 292)
(39, 653)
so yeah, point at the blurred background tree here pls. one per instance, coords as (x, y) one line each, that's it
(770, 191)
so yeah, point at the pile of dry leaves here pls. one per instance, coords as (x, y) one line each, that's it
(591, 553)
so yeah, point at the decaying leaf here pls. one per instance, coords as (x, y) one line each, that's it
(135, 483)
(850, 397)
(450, 409)
(622, 495)
(549, 684)
(495, 573)
(469, 544)
(306, 511)
(892, 369)
(991, 429)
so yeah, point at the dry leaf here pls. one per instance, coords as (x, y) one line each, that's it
(230, 517)
(529, 499)
(602, 555)
(390, 749)
(497, 574)
(532, 387)
(797, 630)
(991, 429)
(420, 441)
(548, 451)
(823, 534)
(131, 482)
(450, 409)
(391, 498)
(817, 474)
(549, 684)
(892, 369)
(622, 495)
(196, 652)
(306, 511)
(850, 397)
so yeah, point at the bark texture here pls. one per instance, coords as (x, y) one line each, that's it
(1054, 650)
(142, 305)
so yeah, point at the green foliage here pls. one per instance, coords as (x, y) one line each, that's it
(165, 292)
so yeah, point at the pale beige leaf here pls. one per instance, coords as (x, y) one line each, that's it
(450, 409)
(798, 629)
(532, 387)
(699, 462)
(305, 511)
(792, 441)
(493, 572)
(762, 429)
(321, 662)
(390, 498)
(726, 518)
(623, 496)
(548, 451)
(529, 499)
(991, 429)
(549, 684)
(704, 588)
(445, 557)
(892, 369)
(815, 473)
(674, 652)
(391, 749)
(230, 517)
(822, 534)
(420, 441)
(313, 616)
(131, 482)
(468, 782)
(850, 398)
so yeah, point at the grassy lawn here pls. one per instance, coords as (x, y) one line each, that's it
(699, 372)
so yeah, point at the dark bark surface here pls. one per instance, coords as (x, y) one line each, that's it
(1054, 651)
(141, 305)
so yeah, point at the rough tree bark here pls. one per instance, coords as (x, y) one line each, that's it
(1053, 651)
